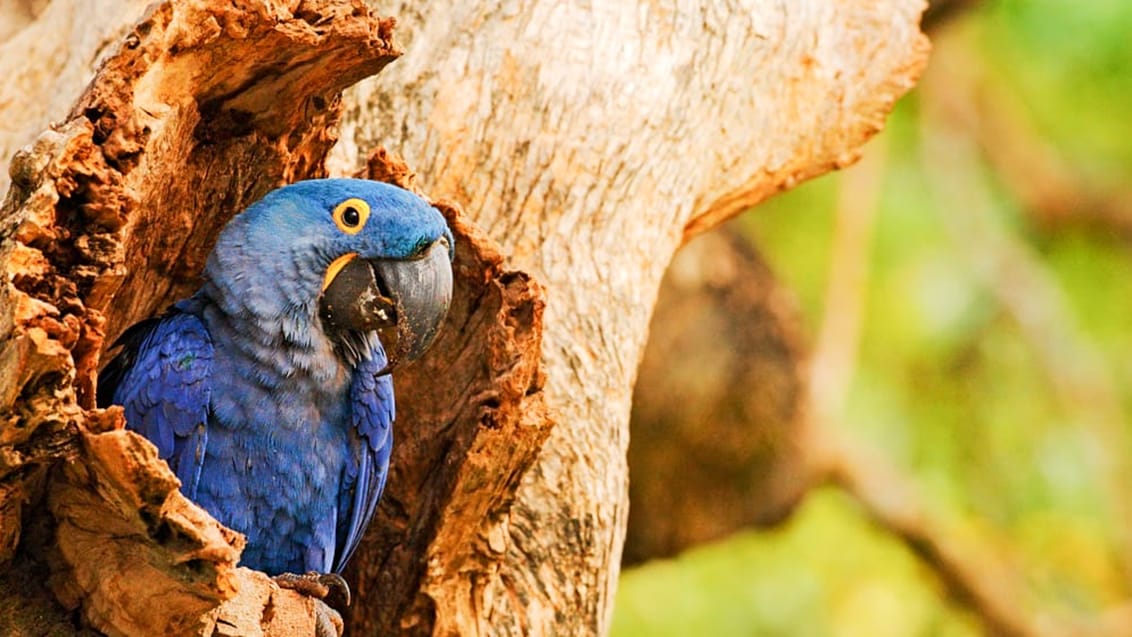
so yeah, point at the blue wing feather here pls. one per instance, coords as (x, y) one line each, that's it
(163, 380)
(373, 412)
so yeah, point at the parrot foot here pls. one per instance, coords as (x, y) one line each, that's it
(329, 587)
(330, 592)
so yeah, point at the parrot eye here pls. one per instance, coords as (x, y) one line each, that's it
(351, 215)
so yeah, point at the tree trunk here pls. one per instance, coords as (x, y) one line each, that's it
(590, 142)
(584, 145)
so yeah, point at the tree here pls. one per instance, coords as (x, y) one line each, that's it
(573, 149)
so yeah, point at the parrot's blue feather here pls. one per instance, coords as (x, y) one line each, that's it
(167, 390)
(373, 415)
(266, 422)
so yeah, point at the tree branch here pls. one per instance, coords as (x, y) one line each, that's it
(1046, 184)
(720, 404)
(1075, 367)
(886, 496)
(149, 165)
(889, 500)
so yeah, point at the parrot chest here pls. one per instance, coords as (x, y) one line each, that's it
(277, 453)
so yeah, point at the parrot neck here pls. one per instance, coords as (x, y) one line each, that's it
(269, 304)
(277, 351)
(279, 346)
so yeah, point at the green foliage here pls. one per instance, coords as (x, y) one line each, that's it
(1005, 434)
(1070, 62)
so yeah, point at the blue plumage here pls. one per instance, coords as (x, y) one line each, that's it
(267, 390)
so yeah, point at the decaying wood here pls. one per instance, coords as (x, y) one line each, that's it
(719, 410)
(586, 143)
(49, 51)
(108, 220)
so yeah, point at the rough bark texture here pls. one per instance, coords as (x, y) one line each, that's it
(719, 410)
(587, 143)
(470, 421)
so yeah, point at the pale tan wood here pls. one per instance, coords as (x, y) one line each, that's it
(590, 140)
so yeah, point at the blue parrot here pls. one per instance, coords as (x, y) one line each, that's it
(268, 391)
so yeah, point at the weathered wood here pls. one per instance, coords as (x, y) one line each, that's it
(470, 421)
(589, 141)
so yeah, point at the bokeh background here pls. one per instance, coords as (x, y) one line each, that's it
(895, 401)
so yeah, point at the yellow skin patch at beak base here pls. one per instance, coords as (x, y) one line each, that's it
(336, 267)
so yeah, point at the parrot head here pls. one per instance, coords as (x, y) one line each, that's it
(351, 256)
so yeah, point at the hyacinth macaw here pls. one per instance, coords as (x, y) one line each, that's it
(268, 390)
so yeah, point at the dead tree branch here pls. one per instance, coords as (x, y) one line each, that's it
(890, 501)
(1078, 374)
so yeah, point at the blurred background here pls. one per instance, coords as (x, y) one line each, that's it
(895, 401)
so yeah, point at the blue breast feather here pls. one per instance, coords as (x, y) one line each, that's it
(299, 513)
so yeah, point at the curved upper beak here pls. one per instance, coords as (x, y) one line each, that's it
(404, 300)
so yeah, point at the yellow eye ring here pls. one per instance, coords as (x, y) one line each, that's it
(351, 215)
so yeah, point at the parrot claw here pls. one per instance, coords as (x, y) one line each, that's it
(330, 588)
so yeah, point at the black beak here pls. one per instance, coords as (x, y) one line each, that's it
(404, 300)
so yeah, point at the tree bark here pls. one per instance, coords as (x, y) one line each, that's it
(584, 144)
(590, 142)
